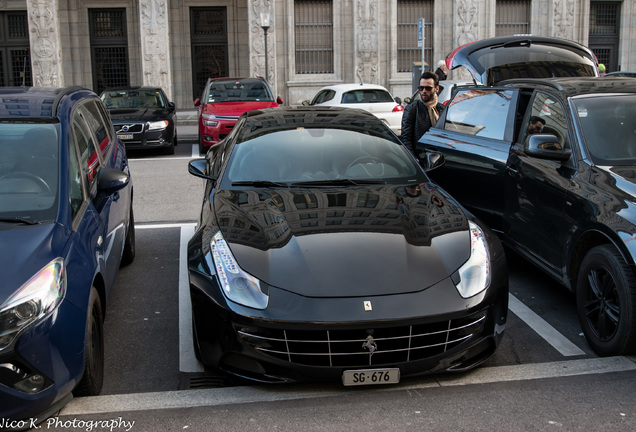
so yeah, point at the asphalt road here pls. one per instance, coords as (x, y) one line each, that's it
(544, 377)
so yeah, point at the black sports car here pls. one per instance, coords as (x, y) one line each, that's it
(143, 117)
(323, 251)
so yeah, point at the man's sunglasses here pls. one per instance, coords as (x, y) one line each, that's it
(427, 88)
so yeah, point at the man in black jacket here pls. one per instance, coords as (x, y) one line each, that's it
(423, 112)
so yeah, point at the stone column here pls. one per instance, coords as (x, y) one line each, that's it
(257, 41)
(562, 25)
(46, 54)
(155, 44)
(367, 43)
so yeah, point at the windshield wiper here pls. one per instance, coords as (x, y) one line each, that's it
(259, 183)
(20, 220)
(339, 182)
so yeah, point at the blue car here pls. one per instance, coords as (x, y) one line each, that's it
(66, 227)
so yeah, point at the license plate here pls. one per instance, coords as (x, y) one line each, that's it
(125, 136)
(370, 377)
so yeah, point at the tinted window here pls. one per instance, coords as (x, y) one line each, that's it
(479, 112)
(94, 118)
(323, 96)
(547, 108)
(607, 123)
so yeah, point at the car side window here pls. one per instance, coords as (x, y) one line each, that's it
(549, 111)
(323, 96)
(89, 158)
(76, 185)
(480, 112)
(96, 121)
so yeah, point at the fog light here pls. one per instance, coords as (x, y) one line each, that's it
(208, 137)
(31, 384)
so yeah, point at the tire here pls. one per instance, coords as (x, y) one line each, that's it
(195, 342)
(202, 149)
(606, 302)
(93, 378)
(128, 255)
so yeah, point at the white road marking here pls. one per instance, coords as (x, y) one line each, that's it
(545, 330)
(246, 394)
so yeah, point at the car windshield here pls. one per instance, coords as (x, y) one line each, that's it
(366, 96)
(306, 155)
(239, 91)
(29, 155)
(607, 123)
(123, 99)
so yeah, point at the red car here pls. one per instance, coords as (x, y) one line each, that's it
(223, 102)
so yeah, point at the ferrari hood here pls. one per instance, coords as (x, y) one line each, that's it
(235, 109)
(279, 237)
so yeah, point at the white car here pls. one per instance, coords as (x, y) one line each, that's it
(446, 88)
(369, 97)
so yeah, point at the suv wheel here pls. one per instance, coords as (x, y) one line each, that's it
(606, 302)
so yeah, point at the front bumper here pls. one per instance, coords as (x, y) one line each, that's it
(301, 339)
(140, 138)
(210, 135)
(53, 350)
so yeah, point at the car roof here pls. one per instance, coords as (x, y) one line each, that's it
(551, 57)
(353, 86)
(242, 79)
(138, 88)
(570, 87)
(34, 102)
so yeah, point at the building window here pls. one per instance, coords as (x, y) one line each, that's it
(408, 51)
(512, 17)
(109, 48)
(604, 32)
(15, 61)
(313, 27)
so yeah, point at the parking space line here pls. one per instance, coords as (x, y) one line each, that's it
(187, 359)
(247, 394)
(195, 151)
(543, 329)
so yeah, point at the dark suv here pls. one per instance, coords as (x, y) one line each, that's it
(551, 165)
(224, 100)
(66, 226)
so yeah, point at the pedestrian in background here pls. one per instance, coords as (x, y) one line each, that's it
(442, 70)
(423, 112)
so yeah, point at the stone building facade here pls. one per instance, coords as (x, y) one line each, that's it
(176, 44)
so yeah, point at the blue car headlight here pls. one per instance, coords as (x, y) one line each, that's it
(35, 300)
(475, 273)
(237, 285)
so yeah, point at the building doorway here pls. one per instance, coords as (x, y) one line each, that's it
(208, 38)
(604, 32)
(15, 60)
(109, 48)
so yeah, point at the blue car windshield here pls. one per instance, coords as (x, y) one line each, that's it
(29, 172)
(300, 155)
(607, 122)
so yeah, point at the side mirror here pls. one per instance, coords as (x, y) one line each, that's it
(171, 106)
(305, 103)
(111, 180)
(398, 100)
(197, 102)
(407, 100)
(199, 168)
(279, 100)
(432, 160)
(546, 146)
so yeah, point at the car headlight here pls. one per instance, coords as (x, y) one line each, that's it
(475, 273)
(157, 125)
(237, 285)
(209, 120)
(35, 300)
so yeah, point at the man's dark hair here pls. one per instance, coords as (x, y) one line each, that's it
(430, 75)
(535, 119)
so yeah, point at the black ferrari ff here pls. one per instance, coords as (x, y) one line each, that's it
(324, 252)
